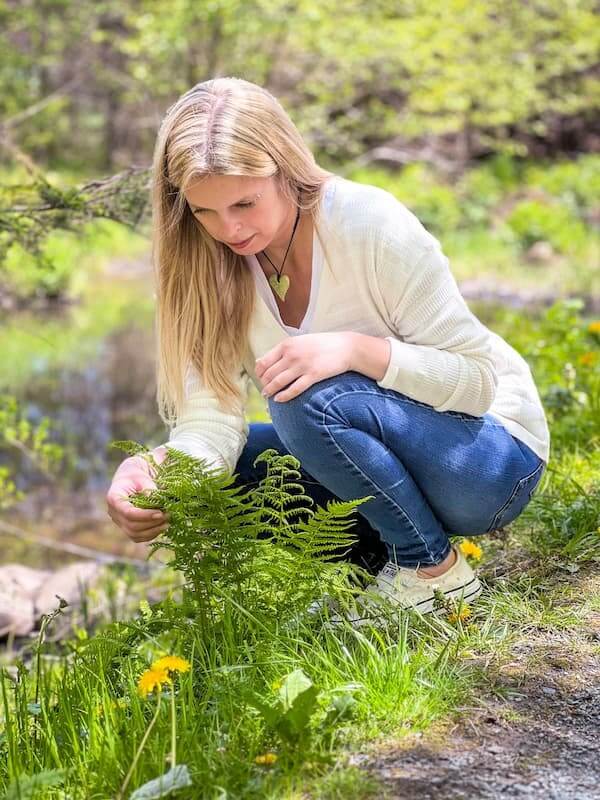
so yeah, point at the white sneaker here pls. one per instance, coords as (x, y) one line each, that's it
(404, 588)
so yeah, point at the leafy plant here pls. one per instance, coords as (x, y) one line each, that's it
(265, 550)
(18, 434)
(532, 221)
(297, 705)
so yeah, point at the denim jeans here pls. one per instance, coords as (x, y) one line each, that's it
(431, 474)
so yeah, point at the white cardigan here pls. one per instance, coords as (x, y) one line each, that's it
(379, 272)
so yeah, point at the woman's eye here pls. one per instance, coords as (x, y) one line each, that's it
(245, 205)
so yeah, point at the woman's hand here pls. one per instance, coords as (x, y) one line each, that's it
(135, 475)
(300, 361)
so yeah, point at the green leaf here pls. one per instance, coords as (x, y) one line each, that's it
(25, 787)
(293, 685)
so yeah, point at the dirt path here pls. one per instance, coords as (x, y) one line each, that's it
(536, 735)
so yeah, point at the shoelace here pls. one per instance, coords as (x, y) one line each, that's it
(390, 570)
(402, 576)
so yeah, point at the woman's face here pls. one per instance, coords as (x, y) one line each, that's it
(246, 214)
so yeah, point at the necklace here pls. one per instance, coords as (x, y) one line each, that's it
(280, 284)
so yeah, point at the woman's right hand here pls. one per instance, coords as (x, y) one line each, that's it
(135, 475)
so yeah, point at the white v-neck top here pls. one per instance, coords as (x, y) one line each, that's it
(265, 291)
(385, 275)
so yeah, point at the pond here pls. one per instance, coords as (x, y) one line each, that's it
(89, 366)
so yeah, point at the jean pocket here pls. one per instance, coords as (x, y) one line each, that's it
(519, 498)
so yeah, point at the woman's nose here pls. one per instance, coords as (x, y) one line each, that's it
(230, 229)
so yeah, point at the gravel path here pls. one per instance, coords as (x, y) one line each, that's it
(536, 736)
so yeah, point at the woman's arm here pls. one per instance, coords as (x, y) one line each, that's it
(441, 353)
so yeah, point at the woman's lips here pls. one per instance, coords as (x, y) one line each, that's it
(241, 245)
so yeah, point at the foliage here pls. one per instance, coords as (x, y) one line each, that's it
(532, 221)
(87, 88)
(564, 354)
(575, 183)
(31, 212)
(264, 550)
(32, 441)
(570, 516)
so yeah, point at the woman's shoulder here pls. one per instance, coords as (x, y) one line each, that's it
(375, 213)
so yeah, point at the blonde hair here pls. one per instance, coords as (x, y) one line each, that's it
(205, 292)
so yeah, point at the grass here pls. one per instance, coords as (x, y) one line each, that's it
(368, 688)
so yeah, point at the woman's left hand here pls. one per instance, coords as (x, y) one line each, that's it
(299, 361)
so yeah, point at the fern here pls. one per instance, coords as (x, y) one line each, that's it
(263, 550)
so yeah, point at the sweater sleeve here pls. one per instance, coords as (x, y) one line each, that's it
(441, 354)
(205, 430)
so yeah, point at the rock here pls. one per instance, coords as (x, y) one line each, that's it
(26, 593)
(18, 588)
(69, 583)
(540, 252)
(16, 614)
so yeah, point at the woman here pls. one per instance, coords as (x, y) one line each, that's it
(340, 306)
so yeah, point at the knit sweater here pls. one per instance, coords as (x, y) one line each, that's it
(379, 272)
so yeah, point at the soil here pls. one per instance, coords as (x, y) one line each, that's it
(535, 735)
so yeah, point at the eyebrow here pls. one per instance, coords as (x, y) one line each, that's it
(242, 200)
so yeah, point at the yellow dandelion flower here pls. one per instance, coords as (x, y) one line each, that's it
(594, 327)
(588, 359)
(267, 759)
(464, 613)
(276, 685)
(172, 664)
(152, 679)
(469, 548)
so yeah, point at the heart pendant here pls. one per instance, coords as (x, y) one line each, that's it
(280, 285)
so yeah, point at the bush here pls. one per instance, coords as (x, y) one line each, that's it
(532, 221)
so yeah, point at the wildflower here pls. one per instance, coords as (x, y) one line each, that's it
(276, 685)
(152, 679)
(469, 548)
(587, 359)
(464, 613)
(172, 664)
(594, 327)
(268, 759)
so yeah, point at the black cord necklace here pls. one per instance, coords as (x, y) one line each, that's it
(280, 284)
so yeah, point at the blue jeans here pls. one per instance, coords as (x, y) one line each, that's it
(432, 474)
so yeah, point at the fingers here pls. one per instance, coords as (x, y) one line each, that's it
(132, 514)
(134, 521)
(148, 534)
(140, 524)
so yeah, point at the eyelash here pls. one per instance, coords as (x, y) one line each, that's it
(239, 205)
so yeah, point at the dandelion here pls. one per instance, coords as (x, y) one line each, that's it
(152, 679)
(588, 359)
(594, 327)
(276, 685)
(463, 614)
(469, 548)
(266, 759)
(171, 664)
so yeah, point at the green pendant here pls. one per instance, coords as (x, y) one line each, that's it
(280, 285)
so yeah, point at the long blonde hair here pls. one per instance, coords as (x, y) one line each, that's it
(205, 292)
